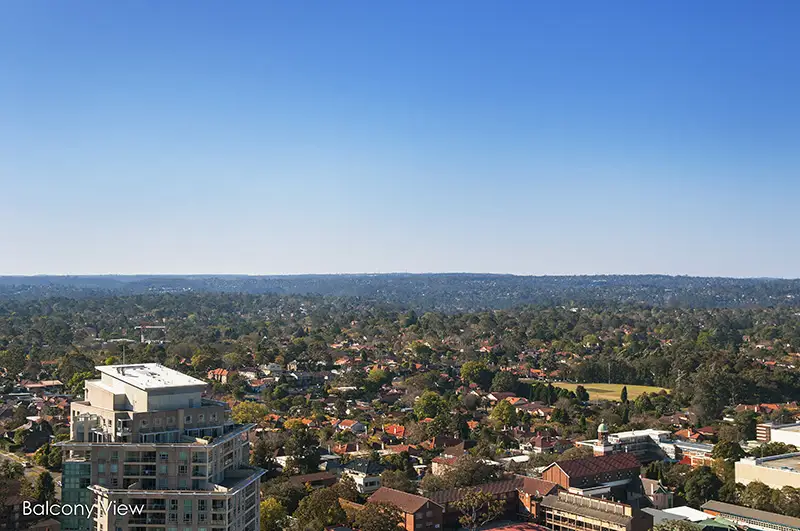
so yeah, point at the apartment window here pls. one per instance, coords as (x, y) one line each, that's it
(173, 518)
(201, 505)
(213, 416)
(143, 423)
(101, 481)
(201, 417)
(115, 455)
(101, 468)
(170, 421)
(188, 419)
(183, 456)
(114, 468)
(163, 469)
(182, 484)
(157, 421)
(183, 469)
(114, 482)
(173, 505)
(164, 456)
(187, 506)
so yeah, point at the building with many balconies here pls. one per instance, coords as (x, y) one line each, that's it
(145, 437)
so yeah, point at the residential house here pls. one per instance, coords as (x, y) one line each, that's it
(350, 425)
(314, 480)
(419, 513)
(219, 375)
(660, 496)
(365, 473)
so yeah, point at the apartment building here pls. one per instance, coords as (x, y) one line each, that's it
(145, 437)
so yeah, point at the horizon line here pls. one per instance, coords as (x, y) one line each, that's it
(390, 273)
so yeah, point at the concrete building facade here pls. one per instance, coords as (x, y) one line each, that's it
(144, 437)
(776, 471)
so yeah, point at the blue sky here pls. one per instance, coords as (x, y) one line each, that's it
(313, 137)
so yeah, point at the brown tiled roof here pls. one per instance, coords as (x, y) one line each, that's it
(590, 466)
(408, 503)
(538, 487)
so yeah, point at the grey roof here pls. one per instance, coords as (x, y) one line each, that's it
(753, 514)
(554, 502)
(365, 466)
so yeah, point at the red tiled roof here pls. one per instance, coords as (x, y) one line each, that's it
(591, 466)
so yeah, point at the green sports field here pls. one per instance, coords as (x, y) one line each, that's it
(599, 391)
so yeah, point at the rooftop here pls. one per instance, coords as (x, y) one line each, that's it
(592, 511)
(591, 466)
(753, 514)
(408, 503)
(149, 376)
(786, 462)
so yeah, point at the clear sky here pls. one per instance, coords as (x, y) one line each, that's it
(345, 136)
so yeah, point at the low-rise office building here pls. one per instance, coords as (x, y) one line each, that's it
(776, 471)
(752, 518)
(573, 512)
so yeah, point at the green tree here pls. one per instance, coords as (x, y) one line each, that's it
(623, 396)
(346, 488)
(505, 382)
(477, 373)
(478, 508)
(504, 413)
(318, 510)
(42, 455)
(429, 405)
(746, 422)
(303, 451)
(76, 382)
(727, 450)
(54, 459)
(398, 480)
(759, 496)
(44, 489)
(379, 517)
(249, 412)
(677, 525)
(272, 514)
(581, 393)
(702, 485)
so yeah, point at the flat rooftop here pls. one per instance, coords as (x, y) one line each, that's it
(788, 462)
(149, 376)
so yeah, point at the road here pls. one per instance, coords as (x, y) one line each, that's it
(33, 472)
